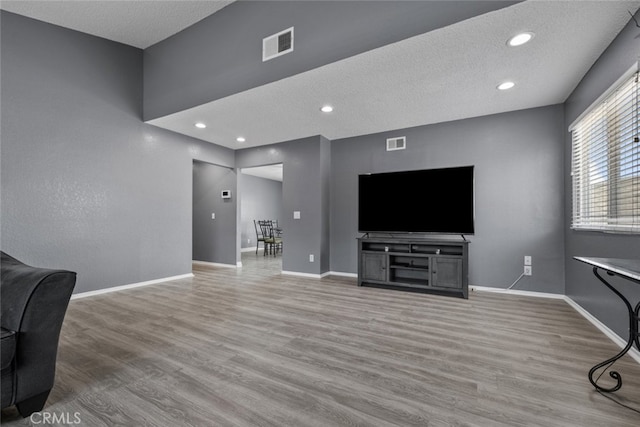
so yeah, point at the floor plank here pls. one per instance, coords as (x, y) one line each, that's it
(251, 347)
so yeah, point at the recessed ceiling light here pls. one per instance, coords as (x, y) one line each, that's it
(240, 139)
(520, 39)
(200, 125)
(506, 85)
(326, 108)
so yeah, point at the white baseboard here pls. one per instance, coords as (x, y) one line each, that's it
(320, 276)
(310, 275)
(216, 264)
(633, 352)
(342, 274)
(131, 286)
(516, 292)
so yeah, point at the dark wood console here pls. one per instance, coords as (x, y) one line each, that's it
(422, 265)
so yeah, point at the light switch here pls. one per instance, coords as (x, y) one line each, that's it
(296, 214)
(213, 216)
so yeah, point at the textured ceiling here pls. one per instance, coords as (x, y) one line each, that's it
(272, 172)
(447, 74)
(139, 23)
(443, 75)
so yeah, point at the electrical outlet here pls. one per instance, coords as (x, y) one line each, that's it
(527, 260)
(213, 216)
(311, 258)
(528, 270)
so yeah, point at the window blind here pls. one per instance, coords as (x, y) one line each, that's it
(606, 163)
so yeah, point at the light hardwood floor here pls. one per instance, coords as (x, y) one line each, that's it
(251, 347)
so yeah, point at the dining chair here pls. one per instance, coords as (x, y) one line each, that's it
(259, 236)
(277, 233)
(272, 243)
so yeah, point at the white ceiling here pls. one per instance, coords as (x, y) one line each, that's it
(447, 74)
(139, 23)
(272, 172)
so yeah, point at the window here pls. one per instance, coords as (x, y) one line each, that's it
(606, 162)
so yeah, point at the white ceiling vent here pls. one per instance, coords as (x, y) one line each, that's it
(277, 44)
(398, 143)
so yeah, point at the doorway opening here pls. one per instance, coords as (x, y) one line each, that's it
(213, 214)
(261, 199)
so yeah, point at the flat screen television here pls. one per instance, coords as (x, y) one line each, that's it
(438, 201)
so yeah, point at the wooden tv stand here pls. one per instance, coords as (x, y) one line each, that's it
(414, 264)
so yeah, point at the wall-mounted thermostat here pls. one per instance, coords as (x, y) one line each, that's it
(226, 194)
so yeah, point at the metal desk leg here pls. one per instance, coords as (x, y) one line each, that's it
(634, 337)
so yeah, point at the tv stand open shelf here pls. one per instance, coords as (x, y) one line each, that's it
(414, 264)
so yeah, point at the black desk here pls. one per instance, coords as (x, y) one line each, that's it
(628, 269)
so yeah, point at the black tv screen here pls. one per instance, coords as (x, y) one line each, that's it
(420, 201)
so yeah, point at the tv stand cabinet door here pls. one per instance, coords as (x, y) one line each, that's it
(446, 272)
(373, 267)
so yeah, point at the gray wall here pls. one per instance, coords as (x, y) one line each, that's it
(86, 185)
(518, 160)
(222, 54)
(581, 285)
(325, 205)
(304, 188)
(260, 199)
(214, 240)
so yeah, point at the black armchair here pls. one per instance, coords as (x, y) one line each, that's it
(34, 302)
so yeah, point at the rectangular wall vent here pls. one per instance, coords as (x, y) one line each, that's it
(277, 45)
(398, 143)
